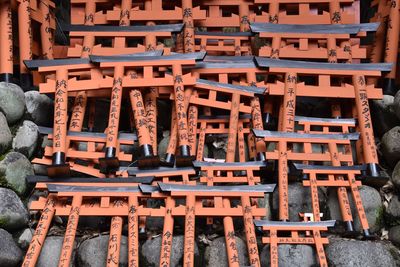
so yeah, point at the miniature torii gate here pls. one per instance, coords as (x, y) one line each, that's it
(306, 233)
(339, 11)
(347, 179)
(81, 32)
(244, 71)
(213, 172)
(284, 38)
(122, 63)
(359, 90)
(194, 207)
(283, 155)
(224, 43)
(216, 125)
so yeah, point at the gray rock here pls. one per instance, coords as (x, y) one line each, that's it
(393, 210)
(354, 253)
(290, 256)
(215, 254)
(25, 238)
(12, 102)
(5, 134)
(93, 252)
(299, 201)
(51, 251)
(14, 168)
(26, 139)
(10, 254)
(391, 146)
(394, 235)
(13, 214)
(151, 248)
(372, 203)
(383, 114)
(39, 108)
(396, 176)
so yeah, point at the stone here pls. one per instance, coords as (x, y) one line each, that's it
(396, 176)
(372, 203)
(290, 256)
(215, 254)
(12, 102)
(5, 135)
(25, 238)
(383, 114)
(14, 169)
(26, 139)
(391, 146)
(299, 201)
(354, 253)
(151, 248)
(13, 214)
(39, 108)
(393, 211)
(10, 254)
(93, 252)
(394, 235)
(51, 251)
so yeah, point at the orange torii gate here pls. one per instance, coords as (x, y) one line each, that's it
(210, 126)
(224, 43)
(315, 176)
(236, 106)
(118, 200)
(141, 35)
(283, 153)
(229, 172)
(302, 233)
(329, 42)
(324, 86)
(183, 175)
(84, 160)
(243, 71)
(146, 65)
(196, 206)
(310, 11)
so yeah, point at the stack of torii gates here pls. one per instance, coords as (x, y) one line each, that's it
(121, 52)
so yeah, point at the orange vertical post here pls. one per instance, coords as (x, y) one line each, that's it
(184, 158)
(6, 47)
(231, 248)
(233, 128)
(133, 233)
(70, 232)
(59, 166)
(45, 32)
(250, 232)
(25, 41)
(392, 46)
(110, 162)
(146, 148)
(39, 236)
(114, 242)
(365, 122)
(166, 242)
(244, 17)
(188, 257)
(334, 10)
(188, 30)
(192, 126)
